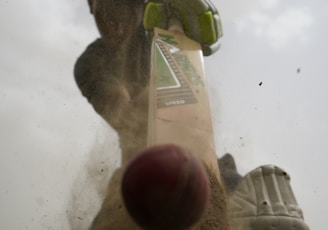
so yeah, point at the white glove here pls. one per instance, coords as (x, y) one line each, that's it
(264, 200)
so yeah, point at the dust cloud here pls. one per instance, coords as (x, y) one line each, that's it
(89, 187)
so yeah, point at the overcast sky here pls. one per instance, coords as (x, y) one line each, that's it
(48, 130)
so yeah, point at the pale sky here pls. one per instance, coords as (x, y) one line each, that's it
(50, 135)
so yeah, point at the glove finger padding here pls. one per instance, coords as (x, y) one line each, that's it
(264, 199)
(200, 19)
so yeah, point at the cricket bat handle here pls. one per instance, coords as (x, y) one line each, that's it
(175, 25)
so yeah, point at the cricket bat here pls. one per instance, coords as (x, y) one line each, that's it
(179, 109)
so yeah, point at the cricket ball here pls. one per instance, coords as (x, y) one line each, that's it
(165, 187)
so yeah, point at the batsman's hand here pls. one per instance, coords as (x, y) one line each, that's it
(200, 19)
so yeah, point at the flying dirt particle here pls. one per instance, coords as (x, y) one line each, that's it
(260, 83)
(298, 70)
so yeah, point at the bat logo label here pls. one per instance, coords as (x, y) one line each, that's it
(179, 102)
(171, 83)
(169, 39)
